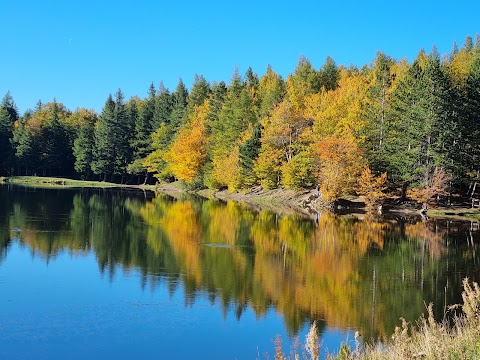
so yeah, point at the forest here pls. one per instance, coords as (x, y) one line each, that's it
(345, 129)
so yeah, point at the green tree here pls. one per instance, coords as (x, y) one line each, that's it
(104, 152)
(422, 133)
(329, 75)
(248, 153)
(8, 116)
(163, 107)
(471, 120)
(123, 128)
(199, 93)
(52, 140)
(179, 107)
(23, 145)
(83, 147)
(143, 121)
(271, 91)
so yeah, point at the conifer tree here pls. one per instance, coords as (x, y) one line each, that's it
(163, 107)
(143, 120)
(179, 107)
(422, 133)
(104, 151)
(329, 75)
(199, 93)
(83, 147)
(8, 116)
(123, 128)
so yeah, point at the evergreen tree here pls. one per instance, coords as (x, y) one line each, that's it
(422, 133)
(9, 105)
(104, 151)
(379, 107)
(6, 151)
(143, 120)
(179, 107)
(199, 93)
(471, 121)
(329, 75)
(8, 116)
(83, 150)
(55, 145)
(468, 43)
(123, 127)
(248, 153)
(23, 146)
(163, 107)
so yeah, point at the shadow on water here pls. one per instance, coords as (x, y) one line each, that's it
(344, 272)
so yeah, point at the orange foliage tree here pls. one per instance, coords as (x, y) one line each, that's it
(435, 185)
(371, 186)
(339, 165)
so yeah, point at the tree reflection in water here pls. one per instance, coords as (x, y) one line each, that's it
(346, 272)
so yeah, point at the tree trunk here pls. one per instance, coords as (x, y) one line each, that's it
(403, 196)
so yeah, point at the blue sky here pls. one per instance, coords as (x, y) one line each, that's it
(80, 51)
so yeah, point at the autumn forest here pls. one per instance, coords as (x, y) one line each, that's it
(390, 121)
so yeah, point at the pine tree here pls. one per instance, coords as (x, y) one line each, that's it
(55, 143)
(143, 121)
(6, 151)
(8, 116)
(104, 151)
(468, 43)
(123, 128)
(179, 107)
(248, 153)
(23, 145)
(163, 107)
(471, 121)
(378, 108)
(199, 93)
(422, 133)
(329, 75)
(83, 150)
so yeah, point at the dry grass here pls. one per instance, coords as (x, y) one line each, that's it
(426, 339)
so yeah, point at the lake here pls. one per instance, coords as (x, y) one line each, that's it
(121, 274)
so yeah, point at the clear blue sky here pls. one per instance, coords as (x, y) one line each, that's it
(80, 51)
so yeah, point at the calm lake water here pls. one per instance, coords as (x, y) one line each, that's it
(120, 274)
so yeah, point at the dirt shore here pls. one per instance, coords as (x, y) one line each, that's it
(308, 203)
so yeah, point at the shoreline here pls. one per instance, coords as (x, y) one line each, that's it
(283, 201)
(65, 183)
(306, 202)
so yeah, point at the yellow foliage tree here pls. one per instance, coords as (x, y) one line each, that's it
(371, 187)
(268, 166)
(188, 151)
(226, 170)
(340, 111)
(339, 165)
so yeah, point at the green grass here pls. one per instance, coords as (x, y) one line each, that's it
(456, 214)
(53, 182)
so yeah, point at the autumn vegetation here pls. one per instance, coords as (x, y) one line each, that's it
(346, 130)
(426, 339)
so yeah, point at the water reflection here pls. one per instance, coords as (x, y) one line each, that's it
(343, 271)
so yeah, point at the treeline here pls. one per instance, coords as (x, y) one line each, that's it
(326, 127)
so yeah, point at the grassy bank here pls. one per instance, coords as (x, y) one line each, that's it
(53, 182)
(426, 339)
(456, 214)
